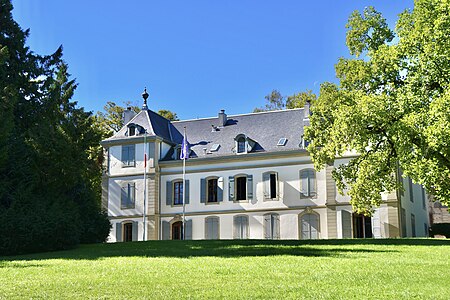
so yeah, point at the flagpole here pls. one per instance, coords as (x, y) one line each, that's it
(184, 187)
(145, 189)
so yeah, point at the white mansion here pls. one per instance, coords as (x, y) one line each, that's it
(248, 177)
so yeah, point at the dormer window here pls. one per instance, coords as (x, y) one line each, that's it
(131, 131)
(241, 145)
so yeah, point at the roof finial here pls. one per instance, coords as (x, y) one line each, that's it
(145, 96)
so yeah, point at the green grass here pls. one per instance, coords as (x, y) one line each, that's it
(335, 269)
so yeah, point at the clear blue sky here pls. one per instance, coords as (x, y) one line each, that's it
(195, 57)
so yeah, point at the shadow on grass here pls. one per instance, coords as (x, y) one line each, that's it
(229, 249)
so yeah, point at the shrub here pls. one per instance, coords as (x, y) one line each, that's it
(440, 229)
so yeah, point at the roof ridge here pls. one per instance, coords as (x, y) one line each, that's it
(239, 115)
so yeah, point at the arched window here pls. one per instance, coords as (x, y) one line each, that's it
(272, 226)
(240, 224)
(309, 226)
(307, 183)
(241, 148)
(212, 228)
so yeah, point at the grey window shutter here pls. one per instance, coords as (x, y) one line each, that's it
(208, 228)
(188, 231)
(165, 230)
(267, 227)
(118, 232)
(132, 154)
(314, 225)
(125, 155)
(203, 190)
(249, 187)
(276, 227)
(346, 224)
(135, 231)
(124, 196)
(220, 189)
(186, 190)
(132, 198)
(376, 225)
(244, 223)
(169, 193)
(266, 183)
(215, 228)
(231, 188)
(277, 184)
(303, 184)
(312, 183)
(306, 229)
(236, 226)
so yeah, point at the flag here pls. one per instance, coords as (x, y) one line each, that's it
(184, 148)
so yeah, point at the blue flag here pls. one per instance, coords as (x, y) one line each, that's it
(185, 148)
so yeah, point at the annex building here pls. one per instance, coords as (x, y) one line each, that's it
(248, 177)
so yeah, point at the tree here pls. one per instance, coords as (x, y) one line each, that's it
(111, 120)
(275, 101)
(48, 189)
(392, 105)
(171, 116)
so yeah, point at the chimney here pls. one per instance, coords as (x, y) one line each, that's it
(127, 115)
(222, 118)
(306, 113)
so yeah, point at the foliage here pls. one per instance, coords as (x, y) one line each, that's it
(111, 119)
(275, 101)
(392, 106)
(49, 191)
(246, 269)
(168, 115)
(440, 229)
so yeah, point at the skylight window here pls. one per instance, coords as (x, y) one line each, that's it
(282, 142)
(215, 147)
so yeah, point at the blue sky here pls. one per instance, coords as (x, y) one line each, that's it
(195, 57)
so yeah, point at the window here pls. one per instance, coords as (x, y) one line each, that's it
(362, 226)
(128, 232)
(241, 188)
(240, 224)
(241, 145)
(303, 143)
(212, 190)
(411, 191)
(178, 193)
(272, 226)
(212, 228)
(282, 142)
(309, 226)
(128, 195)
(175, 192)
(177, 230)
(270, 181)
(177, 152)
(403, 220)
(128, 156)
(424, 199)
(307, 183)
(413, 225)
(131, 131)
(214, 147)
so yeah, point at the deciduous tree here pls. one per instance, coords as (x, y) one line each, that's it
(392, 105)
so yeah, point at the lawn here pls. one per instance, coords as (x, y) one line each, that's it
(327, 269)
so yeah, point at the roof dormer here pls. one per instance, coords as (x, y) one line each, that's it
(243, 144)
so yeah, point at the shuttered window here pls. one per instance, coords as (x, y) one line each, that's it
(128, 156)
(177, 193)
(309, 226)
(272, 226)
(128, 194)
(240, 224)
(270, 182)
(307, 183)
(212, 228)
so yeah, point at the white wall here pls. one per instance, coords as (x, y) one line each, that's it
(415, 207)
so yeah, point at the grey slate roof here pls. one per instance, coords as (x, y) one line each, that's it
(155, 125)
(265, 128)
